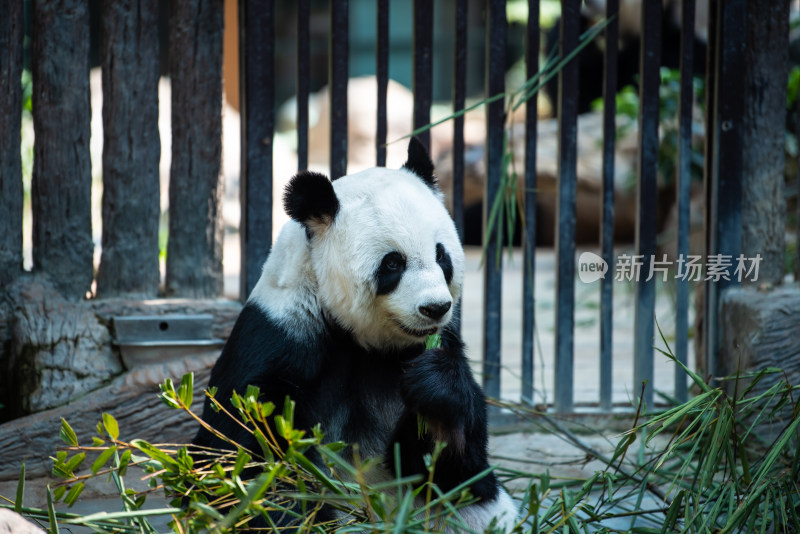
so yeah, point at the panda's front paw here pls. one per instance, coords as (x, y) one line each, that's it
(438, 384)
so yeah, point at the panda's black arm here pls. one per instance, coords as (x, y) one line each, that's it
(439, 387)
(259, 353)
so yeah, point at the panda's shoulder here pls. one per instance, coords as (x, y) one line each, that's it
(260, 345)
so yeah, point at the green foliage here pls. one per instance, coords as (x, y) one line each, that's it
(701, 466)
(793, 87)
(27, 91)
(433, 341)
(627, 105)
(210, 492)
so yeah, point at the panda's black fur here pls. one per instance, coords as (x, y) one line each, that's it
(365, 390)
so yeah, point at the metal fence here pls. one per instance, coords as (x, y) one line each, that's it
(62, 244)
(724, 103)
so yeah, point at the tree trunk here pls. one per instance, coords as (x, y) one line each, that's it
(131, 149)
(62, 174)
(11, 34)
(194, 253)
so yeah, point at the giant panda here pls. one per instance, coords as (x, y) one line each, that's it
(368, 266)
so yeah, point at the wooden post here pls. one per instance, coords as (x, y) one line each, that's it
(131, 149)
(62, 174)
(194, 252)
(11, 34)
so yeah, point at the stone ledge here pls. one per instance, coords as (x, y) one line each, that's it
(53, 351)
(760, 329)
(131, 398)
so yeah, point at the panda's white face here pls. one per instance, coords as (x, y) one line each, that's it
(389, 267)
(375, 251)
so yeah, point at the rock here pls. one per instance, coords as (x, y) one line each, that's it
(589, 189)
(760, 329)
(131, 398)
(55, 351)
(13, 523)
(59, 350)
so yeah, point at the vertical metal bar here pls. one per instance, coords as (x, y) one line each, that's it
(12, 33)
(683, 186)
(529, 202)
(492, 287)
(303, 78)
(727, 179)
(459, 102)
(422, 83)
(708, 172)
(382, 71)
(257, 99)
(565, 210)
(337, 81)
(610, 82)
(647, 197)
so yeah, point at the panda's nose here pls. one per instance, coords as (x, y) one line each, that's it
(435, 310)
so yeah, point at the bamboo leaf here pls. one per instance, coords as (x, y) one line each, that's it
(742, 512)
(107, 516)
(694, 376)
(20, 490)
(207, 510)
(51, 512)
(103, 458)
(266, 449)
(124, 460)
(775, 451)
(59, 492)
(672, 513)
(433, 341)
(111, 425)
(241, 460)
(321, 477)
(73, 494)
(154, 452)
(74, 462)
(67, 434)
(186, 389)
(254, 492)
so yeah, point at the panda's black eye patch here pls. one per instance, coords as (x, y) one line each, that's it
(444, 261)
(389, 273)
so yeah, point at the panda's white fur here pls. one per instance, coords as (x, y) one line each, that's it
(329, 327)
(380, 210)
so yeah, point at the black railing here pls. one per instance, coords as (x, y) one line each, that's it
(62, 129)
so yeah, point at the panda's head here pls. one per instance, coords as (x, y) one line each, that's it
(384, 252)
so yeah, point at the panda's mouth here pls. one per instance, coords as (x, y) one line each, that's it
(413, 332)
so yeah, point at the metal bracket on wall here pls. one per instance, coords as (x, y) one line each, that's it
(145, 339)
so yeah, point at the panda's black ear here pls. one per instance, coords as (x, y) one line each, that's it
(419, 162)
(310, 200)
